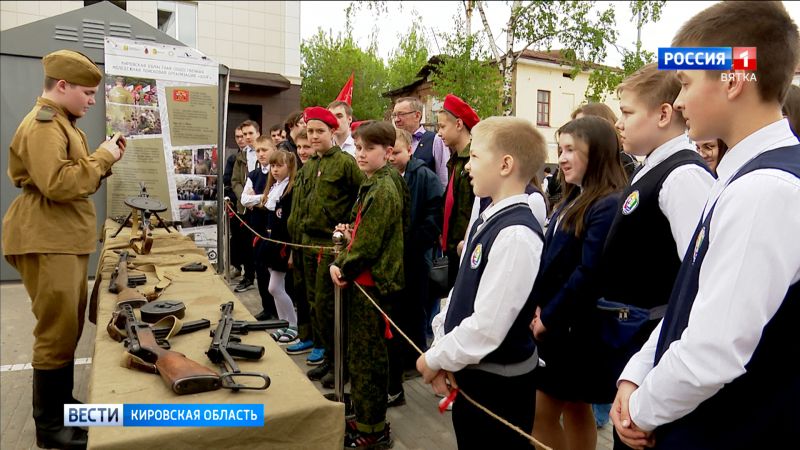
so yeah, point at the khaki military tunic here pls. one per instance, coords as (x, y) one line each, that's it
(49, 159)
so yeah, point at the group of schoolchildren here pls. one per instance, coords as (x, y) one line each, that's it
(669, 289)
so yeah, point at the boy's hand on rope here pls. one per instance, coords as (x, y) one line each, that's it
(346, 230)
(336, 276)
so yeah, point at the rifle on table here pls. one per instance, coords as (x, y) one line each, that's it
(224, 347)
(181, 374)
(119, 284)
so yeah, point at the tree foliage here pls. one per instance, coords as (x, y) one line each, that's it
(467, 72)
(410, 56)
(605, 80)
(327, 63)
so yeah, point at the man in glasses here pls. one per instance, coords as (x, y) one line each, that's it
(425, 145)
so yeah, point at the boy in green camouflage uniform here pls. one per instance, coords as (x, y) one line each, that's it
(327, 190)
(373, 259)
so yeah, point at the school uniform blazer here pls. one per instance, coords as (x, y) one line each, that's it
(566, 286)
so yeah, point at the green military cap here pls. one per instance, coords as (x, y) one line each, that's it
(73, 67)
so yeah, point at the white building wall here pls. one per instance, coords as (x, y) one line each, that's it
(262, 36)
(566, 94)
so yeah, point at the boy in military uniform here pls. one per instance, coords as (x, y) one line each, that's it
(49, 230)
(456, 119)
(373, 259)
(328, 188)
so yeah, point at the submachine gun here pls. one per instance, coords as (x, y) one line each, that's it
(181, 374)
(225, 346)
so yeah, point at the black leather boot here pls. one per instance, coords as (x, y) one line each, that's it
(51, 389)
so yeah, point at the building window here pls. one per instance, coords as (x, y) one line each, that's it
(179, 20)
(543, 108)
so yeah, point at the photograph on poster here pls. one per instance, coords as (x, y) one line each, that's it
(131, 120)
(182, 160)
(205, 161)
(198, 214)
(131, 91)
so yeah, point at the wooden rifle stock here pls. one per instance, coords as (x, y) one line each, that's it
(181, 374)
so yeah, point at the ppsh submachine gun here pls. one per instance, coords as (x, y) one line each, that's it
(225, 346)
(181, 374)
(142, 207)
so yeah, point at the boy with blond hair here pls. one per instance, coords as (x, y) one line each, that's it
(482, 341)
(718, 358)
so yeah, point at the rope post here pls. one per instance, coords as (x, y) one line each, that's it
(224, 257)
(338, 335)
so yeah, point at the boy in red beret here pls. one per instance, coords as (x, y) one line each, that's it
(326, 189)
(456, 120)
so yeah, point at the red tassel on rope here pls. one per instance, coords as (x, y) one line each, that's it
(387, 333)
(255, 241)
(445, 402)
(319, 256)
(283, 251)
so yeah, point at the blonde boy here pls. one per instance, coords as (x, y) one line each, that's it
(482, 341)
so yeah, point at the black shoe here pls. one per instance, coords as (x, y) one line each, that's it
(244, 285)
(51, 390)
(398, 399)
(329, 380)
(318, 372)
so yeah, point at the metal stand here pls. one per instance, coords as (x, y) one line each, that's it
(338, 334)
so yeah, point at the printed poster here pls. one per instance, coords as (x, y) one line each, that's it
(163, 99)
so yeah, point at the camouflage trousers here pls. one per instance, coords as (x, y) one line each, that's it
(368, 359)
(319, 292)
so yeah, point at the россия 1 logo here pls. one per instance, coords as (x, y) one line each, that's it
(710, 58)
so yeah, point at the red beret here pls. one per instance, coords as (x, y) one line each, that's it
(461, 110)
(321, 114)
(355, 125)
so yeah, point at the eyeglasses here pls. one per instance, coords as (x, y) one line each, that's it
(396, 115)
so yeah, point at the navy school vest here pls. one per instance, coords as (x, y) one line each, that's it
(747, 412)
(257, 217)
(424, 150)
(640, 254)
(518, 344)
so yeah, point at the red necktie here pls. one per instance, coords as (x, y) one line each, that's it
(448, 208)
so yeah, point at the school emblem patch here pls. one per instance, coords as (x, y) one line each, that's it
(698, 243)
(630, 203)
(475, 259)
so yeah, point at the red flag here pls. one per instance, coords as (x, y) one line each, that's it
(347, 92)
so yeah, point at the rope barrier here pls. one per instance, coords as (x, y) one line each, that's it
(403, 334)
(288, 244)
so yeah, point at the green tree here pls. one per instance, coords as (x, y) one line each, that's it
(605, 80)
(410, 56)
(466, 71)
(327, 63)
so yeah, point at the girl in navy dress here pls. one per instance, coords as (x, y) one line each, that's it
(277, 201)
(566, 286)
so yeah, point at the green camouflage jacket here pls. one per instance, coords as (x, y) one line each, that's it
(325, 191)
(378, 245)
